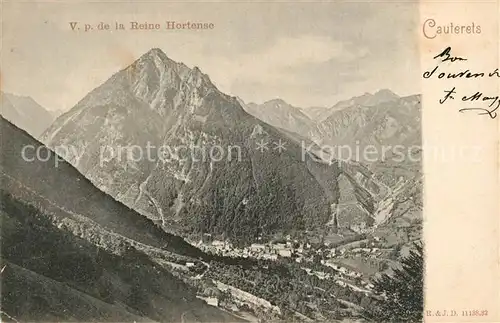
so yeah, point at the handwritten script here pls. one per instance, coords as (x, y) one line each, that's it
(485, 104)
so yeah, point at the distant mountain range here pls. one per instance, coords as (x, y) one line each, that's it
(366, 100)
(26, 113)
(319, 114)
(280, 114)
(382, 122)
(391, 122)
(71, 252)
(382, 118)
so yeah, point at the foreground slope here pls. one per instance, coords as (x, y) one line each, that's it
(72, 253)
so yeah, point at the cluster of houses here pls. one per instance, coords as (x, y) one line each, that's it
(272, 250)
(269, 251)
(303, 252)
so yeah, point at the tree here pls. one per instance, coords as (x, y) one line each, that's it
(401, 293)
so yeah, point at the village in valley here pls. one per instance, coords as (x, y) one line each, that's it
(320, 255)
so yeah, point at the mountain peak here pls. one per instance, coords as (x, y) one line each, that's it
(157, 57)
(153, 80)
(386, 94)
(367, 99)
(156, 62)
(155, 52)
(277, 102)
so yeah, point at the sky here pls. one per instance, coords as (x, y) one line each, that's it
(306, 53)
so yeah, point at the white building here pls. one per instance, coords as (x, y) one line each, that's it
(257, 247)
(285, 253)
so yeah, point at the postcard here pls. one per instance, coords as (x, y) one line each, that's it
(250, 161)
